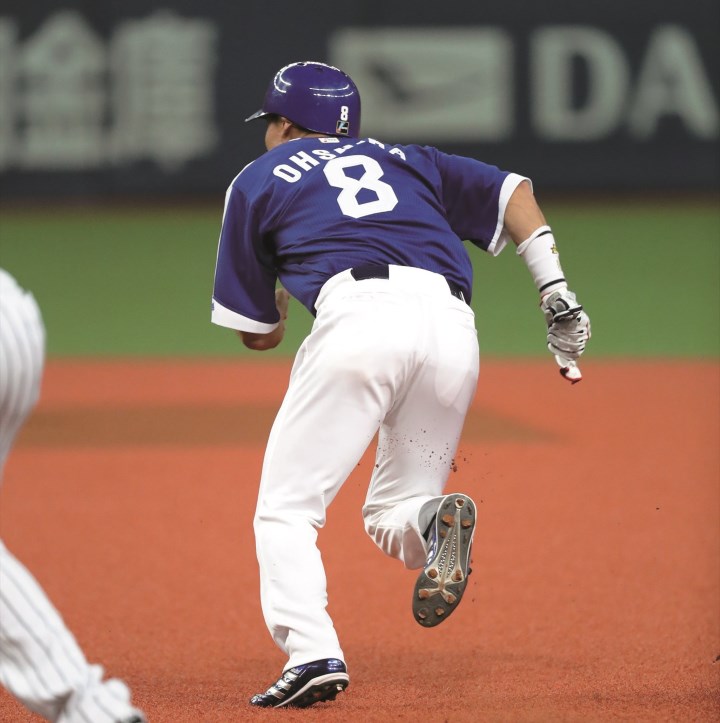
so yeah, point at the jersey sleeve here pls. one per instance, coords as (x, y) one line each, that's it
(244, 289)
(475, 196)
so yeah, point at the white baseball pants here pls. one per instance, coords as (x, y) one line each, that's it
(397, 357)
(41, 664)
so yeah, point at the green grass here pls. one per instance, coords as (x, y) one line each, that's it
(126, 281)
(647, 273)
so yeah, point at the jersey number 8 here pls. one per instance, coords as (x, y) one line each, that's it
(370, 180)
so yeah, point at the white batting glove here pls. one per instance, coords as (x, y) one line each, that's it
(568, 325)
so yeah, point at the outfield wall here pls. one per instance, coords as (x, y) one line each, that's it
(134, 98)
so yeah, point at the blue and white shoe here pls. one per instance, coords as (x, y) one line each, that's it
(305, 685)
(441, 584)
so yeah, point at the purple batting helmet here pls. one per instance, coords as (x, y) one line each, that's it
(316, 96)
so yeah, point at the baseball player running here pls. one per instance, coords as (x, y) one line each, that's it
(368, 236)
(40, 661)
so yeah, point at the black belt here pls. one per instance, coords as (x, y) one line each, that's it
(382, 271)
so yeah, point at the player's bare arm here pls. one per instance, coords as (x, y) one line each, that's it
(523, 215)
(263, 342)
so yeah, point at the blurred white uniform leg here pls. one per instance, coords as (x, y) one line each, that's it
(41, 664)
(397, 355)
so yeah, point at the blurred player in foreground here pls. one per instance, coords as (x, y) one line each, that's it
(41, 664)
(368, 236)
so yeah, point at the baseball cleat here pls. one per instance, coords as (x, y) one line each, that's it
(441, 584)
(305, 685)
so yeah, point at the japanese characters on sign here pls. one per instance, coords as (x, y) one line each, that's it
(71, 99)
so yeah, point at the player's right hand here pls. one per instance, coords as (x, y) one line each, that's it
(568, 324)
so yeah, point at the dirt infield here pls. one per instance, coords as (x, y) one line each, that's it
(596, 587)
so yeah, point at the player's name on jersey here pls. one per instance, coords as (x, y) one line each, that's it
(303, 161)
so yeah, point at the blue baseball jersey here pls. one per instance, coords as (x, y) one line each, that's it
(313, 207)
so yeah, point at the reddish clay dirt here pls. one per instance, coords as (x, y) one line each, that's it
(596, 584)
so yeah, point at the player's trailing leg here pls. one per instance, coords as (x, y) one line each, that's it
(441, 584)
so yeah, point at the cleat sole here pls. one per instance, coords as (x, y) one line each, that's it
(444, 578)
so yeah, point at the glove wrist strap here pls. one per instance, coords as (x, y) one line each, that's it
(543, 261)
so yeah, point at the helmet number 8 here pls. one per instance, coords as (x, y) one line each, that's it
(370, 180)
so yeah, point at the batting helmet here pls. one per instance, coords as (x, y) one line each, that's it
(316, 96)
